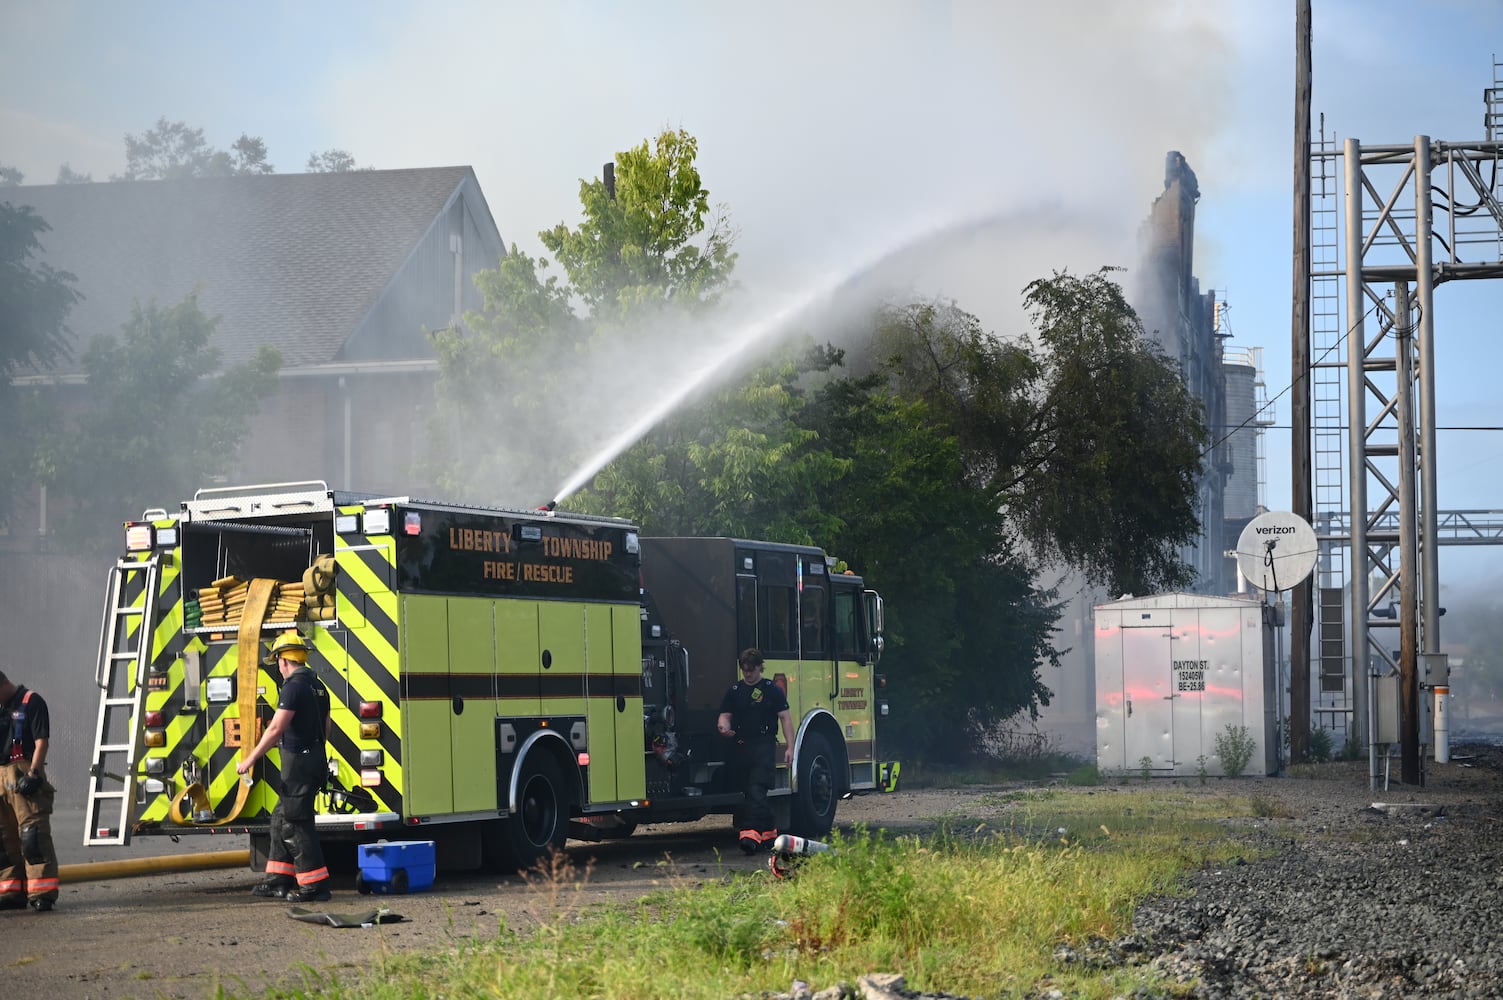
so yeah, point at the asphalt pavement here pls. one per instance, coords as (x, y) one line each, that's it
(68, 839)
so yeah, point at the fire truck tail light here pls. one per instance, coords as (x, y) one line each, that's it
(881, 680)
(370, 730)
(139, 537)
(155, 786)
(370, 710)
(371, 758)
(584, 760)
(370, 779)
(156, 765)
(882, 708)
(157, 718)
(156, 737)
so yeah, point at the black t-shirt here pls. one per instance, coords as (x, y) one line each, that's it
(306, 697)
(754, 709)
(26, 719)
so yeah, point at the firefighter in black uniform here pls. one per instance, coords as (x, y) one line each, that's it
(28, 862)
(751, 712)
(295, 868)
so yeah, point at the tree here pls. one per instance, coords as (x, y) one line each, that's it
(173, 150)
(67, 175)
(10, 176)
(656, 242)
(34, 304)
(332, 161)
(160, 415)
(1110, 483)
(1084, 431)
(509, 375)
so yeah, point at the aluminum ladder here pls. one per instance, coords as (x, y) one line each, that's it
(125, 645)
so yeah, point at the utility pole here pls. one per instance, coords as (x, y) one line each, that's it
(1302, 603)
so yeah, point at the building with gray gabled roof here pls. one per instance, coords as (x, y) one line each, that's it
(343, 273)
(329, 268)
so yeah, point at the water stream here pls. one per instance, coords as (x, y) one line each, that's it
(860, 284)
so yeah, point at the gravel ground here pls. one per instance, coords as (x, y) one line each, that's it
(1354, 893)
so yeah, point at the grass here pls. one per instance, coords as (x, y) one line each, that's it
(977, 908)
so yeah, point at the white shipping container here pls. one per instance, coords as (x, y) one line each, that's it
(1174, 671)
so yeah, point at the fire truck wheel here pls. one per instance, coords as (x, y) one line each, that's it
(814, 802)
(540, 824)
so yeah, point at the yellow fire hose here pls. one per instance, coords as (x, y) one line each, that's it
(248, 670)
(93, 871)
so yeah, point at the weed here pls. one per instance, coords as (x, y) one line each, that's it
(1267, 808)
(1200, 768)
(1145, 767)
(1235, 746)
(1320, 745)
(1086, 774)
(1352, 748)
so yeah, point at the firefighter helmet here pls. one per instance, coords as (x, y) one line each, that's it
(290, 644)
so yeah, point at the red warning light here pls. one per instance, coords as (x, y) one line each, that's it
(412, 523)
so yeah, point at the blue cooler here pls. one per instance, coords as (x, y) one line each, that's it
(395, 866)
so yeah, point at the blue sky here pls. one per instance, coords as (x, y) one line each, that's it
(830, 131)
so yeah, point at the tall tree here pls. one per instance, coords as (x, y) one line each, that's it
(1110, 483)
(173, 150)
(67, 175)
(1083, 429)
(34, 304)
(161, 413)
(10, 176)
(511, 374)
(655, 240)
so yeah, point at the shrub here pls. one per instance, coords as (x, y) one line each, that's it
(1235, 746)
(1320, 745)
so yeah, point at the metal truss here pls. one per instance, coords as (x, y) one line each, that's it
(1415, 216)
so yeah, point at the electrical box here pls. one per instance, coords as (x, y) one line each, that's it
(1175, 672)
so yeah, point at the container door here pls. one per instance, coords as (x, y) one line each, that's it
(1187, 686)
(1148, 697)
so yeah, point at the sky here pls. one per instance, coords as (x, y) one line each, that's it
(833, 133)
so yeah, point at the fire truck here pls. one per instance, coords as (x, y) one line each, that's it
(500, 680)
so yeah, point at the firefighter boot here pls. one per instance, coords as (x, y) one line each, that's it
(271, 889)
(313, 892)
(750, 840)
(40, 904)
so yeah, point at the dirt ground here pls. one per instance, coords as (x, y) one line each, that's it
(184, 934)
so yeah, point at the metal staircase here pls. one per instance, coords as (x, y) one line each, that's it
(125, 641)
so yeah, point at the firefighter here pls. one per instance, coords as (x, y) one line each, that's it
(28, 863)
(295, 868)
(751, 712)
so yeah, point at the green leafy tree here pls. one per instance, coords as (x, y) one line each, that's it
(654, 245)
(10, 176)
(34, 304)
(1110, 483)
(967, 628)
(160, 415)
(739, 461)
(656, 242)
(332, 161)
(1083, 431)
(173, 150)
(67, 175)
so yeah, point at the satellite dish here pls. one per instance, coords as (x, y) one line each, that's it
(1277, 550)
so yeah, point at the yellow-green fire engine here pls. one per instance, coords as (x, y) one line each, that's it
(500, 680)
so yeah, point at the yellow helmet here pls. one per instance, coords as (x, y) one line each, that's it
(290, 644)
